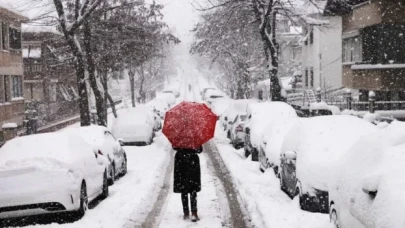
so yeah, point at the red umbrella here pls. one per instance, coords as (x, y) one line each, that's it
(189, 125)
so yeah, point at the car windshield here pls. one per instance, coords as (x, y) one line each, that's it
(243, 118)
(202, 113)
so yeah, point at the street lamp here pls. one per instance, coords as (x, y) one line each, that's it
(348, 95)
(371, 100)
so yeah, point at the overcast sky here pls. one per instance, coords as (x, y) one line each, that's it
(181, 16)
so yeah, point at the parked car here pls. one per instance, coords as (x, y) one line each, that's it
(319, 109)
(175, 92)
(219, 105)
(169, 98)
(204, 91)
(213, 95)
(135, 127)
(368, 189)
(259, 116)
(159, 107)
(237, 133)
(50, 173)
(235, 108)
(273, 138)
(309, 152)
(102, 141)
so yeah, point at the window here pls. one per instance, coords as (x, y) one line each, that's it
(312, 77)
(306, 77)
(260, 95)
(17, 86)
(15, 38)
(297, 53)
(352, 50)
(6, 88)
(311, 36)
(2, 100)
(4, 36)
(53, 92)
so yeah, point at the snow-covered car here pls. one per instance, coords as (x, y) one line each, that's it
(309, 152)
(368, 189)
(259, 116)
(273, 138)
(102, 141)
(50, 173)
(175, 92)
(134, 127)
(235, 108)
(204, 91)
(236, 133)
(169, 98)
(219, 105)
(159, 107)
(212, 95)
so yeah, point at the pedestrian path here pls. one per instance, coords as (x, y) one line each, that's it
(208, 204)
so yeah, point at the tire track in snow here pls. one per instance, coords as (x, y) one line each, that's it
(154, 216)
(239, 217)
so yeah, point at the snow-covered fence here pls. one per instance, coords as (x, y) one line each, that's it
(364, 105)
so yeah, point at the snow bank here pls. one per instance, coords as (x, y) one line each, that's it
(237, 107)
(376, 163)
(319, 143)
(219, 105)
(319, 106)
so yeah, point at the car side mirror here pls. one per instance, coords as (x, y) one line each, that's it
(370, 185)
(121, 141)
(290, 155)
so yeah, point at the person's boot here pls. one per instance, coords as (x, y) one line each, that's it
(194, 216)
(186, 216)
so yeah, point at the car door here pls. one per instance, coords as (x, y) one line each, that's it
(118, 152)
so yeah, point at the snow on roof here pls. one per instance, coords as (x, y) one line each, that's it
(319, 143)
(65, 148)
(264, 113)
(32, 53)
(286, 82)
(11, 6)
(39, 28)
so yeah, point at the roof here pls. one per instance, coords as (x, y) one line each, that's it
(341, 7)
(7, 10)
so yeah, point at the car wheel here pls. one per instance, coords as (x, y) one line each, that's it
(111, 181)
(302, 201)
(104, 193)
(275, 169)
(125, 166)
(84, 201)
(334, 219)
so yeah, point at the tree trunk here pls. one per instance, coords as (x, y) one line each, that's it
(275, 87)
(132, 84)
(81, 79)
(100, 105)
(107, 95)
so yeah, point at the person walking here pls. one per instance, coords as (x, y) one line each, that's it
(187, 179)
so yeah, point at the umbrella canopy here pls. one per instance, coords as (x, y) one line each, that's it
(189, 125)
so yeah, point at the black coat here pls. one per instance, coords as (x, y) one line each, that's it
(187, 173)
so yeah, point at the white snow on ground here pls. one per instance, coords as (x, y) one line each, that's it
(207, 203)
(267, 205)
(130, 193)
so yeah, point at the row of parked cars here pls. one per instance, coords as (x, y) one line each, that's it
(58, 172)
(63, 171)
(336, 164)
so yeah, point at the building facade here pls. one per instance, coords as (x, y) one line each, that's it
(11, 68)
(373, 47)
(49, 77)
(321, 53)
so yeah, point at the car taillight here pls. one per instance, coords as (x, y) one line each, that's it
(100, 153)
(239, 128)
